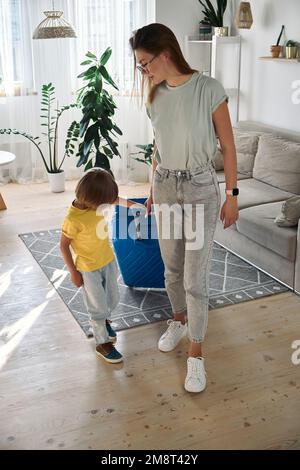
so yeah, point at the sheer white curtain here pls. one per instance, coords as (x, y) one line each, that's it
(104, 23)
(27, 64)
(18, 104)
(6, 62)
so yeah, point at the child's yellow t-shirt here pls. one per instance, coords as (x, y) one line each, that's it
(90, 239)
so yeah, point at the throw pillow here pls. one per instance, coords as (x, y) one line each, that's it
(246, 144)
(278, 163)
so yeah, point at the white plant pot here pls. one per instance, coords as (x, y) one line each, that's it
(57, 182)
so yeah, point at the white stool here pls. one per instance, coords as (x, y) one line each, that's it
(5, 159)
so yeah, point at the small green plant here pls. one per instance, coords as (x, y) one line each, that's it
(279, 37)
(211, 16)
(291, 43)
(50, 121)
(97, 129)
(146, 151)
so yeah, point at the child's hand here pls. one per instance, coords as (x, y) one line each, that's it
(77, 279)
(138, 206)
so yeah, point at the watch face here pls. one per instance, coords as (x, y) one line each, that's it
(235, 191)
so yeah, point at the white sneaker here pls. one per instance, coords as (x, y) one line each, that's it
(169, 340)
(195, 380)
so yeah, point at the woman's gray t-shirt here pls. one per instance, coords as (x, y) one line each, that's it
(181, 117)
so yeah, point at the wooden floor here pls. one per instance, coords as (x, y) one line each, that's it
(55, 394)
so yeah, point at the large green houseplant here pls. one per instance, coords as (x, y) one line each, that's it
(50, 119)
(97, 129)
(214, 17)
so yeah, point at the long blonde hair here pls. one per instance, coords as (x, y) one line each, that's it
(156, 38)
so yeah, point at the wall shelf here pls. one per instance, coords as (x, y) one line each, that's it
(196, 39)
(222, 39)
(279, 59)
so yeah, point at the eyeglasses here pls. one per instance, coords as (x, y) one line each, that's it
(143, 68)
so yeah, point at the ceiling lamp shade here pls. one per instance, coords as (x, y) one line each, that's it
(243, 19)
(54, 26)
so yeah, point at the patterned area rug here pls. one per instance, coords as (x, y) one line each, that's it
(232, 280)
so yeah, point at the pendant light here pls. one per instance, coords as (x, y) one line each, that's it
(54, 26)
(243, 19)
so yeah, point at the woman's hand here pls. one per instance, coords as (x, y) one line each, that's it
(76, 278)
(229, 212)
(148, 204)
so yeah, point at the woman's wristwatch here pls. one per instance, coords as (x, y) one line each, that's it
(232, 192)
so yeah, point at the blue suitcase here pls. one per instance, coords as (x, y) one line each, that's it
(137, 249)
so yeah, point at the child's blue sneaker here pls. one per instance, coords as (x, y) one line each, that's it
(109, 353)
(112, 335)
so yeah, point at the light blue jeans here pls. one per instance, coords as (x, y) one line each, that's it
(194, 197)
(101, 296)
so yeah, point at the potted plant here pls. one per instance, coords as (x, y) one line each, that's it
(97, 130)
(214, 17)
(146, 152)
(276, 49)
(291, 50)
(52, 163)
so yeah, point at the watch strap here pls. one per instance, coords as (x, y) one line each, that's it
(232, 192)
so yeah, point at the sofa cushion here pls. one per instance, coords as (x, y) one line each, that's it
(290, 213)
(218, 160)
(221, 176)
(278, 163)
(257, 223)
(254, 192)
(246, 144)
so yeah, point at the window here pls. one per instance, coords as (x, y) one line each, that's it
(10, 33)
(98, 23)
(103, 23)
(16, 38)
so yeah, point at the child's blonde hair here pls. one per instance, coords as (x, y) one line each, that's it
(96, 187)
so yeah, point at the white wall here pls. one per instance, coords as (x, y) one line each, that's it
(182, 16)
(266, 87)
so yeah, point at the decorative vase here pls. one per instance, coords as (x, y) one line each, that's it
(221, 31)
(275, 51)
(57, 182)
(291, 52)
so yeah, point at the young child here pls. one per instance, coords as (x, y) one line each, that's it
(94, 266)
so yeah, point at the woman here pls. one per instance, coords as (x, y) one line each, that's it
(187, 110)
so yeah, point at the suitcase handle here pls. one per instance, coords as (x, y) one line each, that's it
(137, 222)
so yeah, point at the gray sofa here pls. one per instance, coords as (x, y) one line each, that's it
(265, 181)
